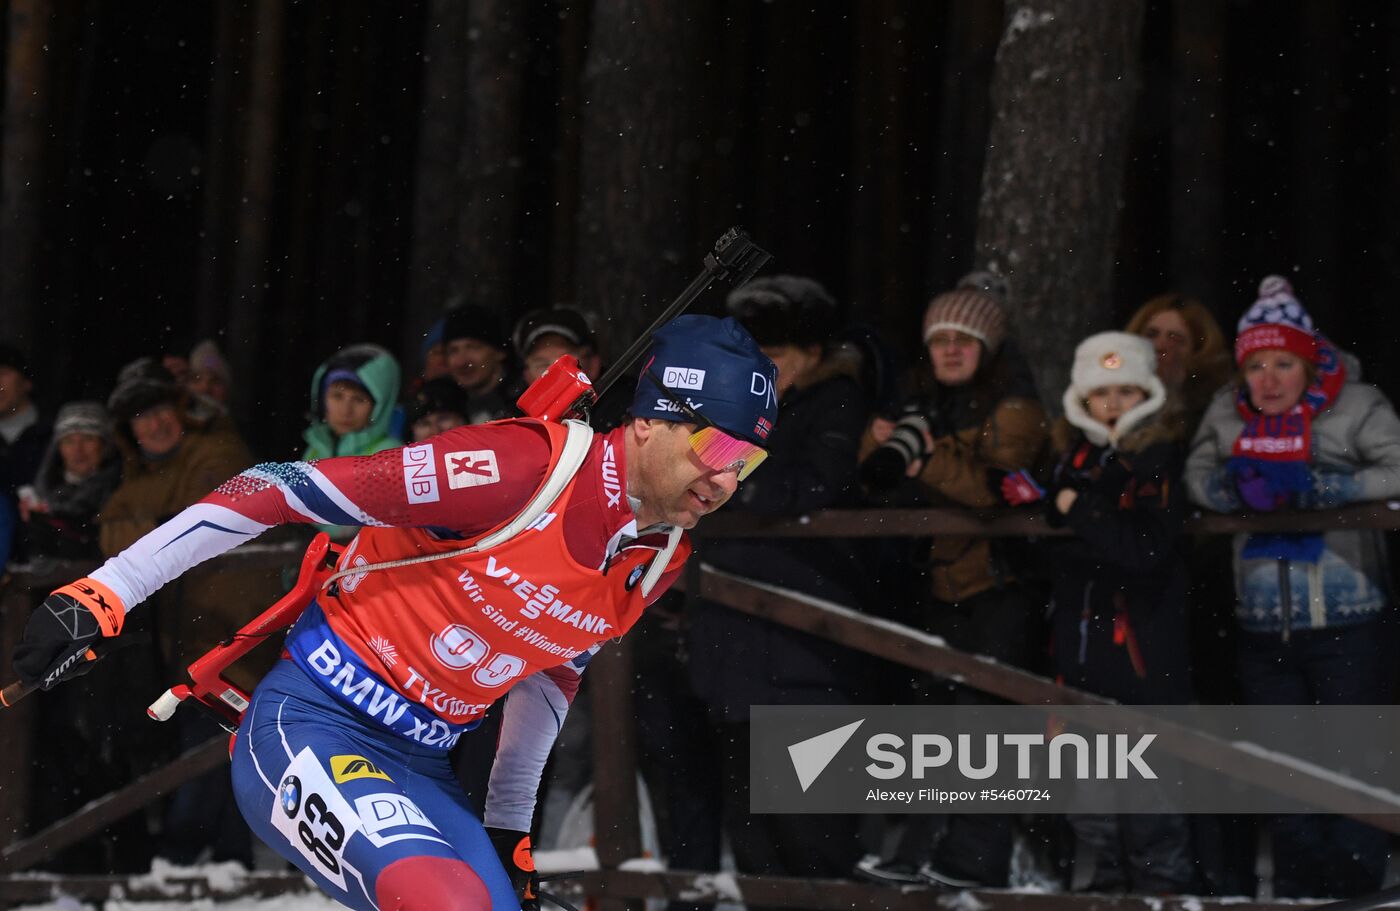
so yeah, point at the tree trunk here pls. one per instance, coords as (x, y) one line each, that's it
(573, 43)
(964, 113)
(1062, 99)
(638, 153)
(489, 174)
(435, 197)
(221, 155)
(27, 83)
(1317, 123)
(879, 191)
(246, 286)
(1198, 150)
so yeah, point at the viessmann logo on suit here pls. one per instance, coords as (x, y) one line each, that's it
(1092, 758)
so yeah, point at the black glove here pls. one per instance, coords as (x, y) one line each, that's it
(883, 469)
(62, 630)
(513, 848)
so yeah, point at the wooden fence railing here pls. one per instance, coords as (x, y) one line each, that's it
(617, 825)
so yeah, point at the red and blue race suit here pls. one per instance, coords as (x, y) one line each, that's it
(341, 763)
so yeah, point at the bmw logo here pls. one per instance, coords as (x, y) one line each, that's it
(290, 795)
(635, 576)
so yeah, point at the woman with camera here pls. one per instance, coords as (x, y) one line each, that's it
(976, 418)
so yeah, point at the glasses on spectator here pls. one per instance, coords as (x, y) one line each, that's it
(716, 449)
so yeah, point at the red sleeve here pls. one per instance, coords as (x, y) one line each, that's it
(467, 480)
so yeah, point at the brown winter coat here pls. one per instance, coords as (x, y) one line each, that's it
(958, 474)
(206, 604)
(1012, 437)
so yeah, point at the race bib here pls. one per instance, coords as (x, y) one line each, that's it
(312, 815)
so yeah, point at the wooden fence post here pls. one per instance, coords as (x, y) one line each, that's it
(17, 723)
(616, 825)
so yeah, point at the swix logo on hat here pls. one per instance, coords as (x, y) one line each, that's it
(713, 365)
(471, 468)
(683, 378)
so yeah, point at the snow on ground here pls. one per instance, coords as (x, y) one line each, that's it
(307, 902)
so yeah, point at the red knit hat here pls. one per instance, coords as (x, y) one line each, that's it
(1276, 321)
(969, 311)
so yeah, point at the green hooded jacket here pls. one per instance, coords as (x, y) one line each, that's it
(379, 373)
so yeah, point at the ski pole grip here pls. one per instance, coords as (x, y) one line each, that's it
(17, 690)
(13, 693)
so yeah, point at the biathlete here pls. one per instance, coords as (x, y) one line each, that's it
(340, 763)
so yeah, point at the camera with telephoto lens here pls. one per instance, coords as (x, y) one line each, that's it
(887, 465)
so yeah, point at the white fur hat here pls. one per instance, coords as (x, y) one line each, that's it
(1113, 359)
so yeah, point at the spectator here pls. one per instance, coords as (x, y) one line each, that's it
(81, 469)
(433, 354)
(1191, 356)
(172, 460)
(1194, 363)
(433, 363)
(541, 337)
(438, 405)
(737, 660)
(24, 435)
(1301, 431)
(475, 346)
(1119, 621)
(210, 375)
(353, 395)
(980, 414)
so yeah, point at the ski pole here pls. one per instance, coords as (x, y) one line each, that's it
(14, 693)
(556, 900)
(18, 690)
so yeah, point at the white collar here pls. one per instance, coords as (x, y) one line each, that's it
(17, 423)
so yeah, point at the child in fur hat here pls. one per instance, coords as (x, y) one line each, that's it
(1118, 621)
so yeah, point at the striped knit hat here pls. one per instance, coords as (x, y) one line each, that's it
(1276, 321)
(970, 311)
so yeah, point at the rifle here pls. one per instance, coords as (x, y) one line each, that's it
(563, 391)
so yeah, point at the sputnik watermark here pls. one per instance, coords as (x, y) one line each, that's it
(1074, 759)
(1112, 755)
(811, 756)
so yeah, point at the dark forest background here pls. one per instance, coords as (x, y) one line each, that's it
(292, 177)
